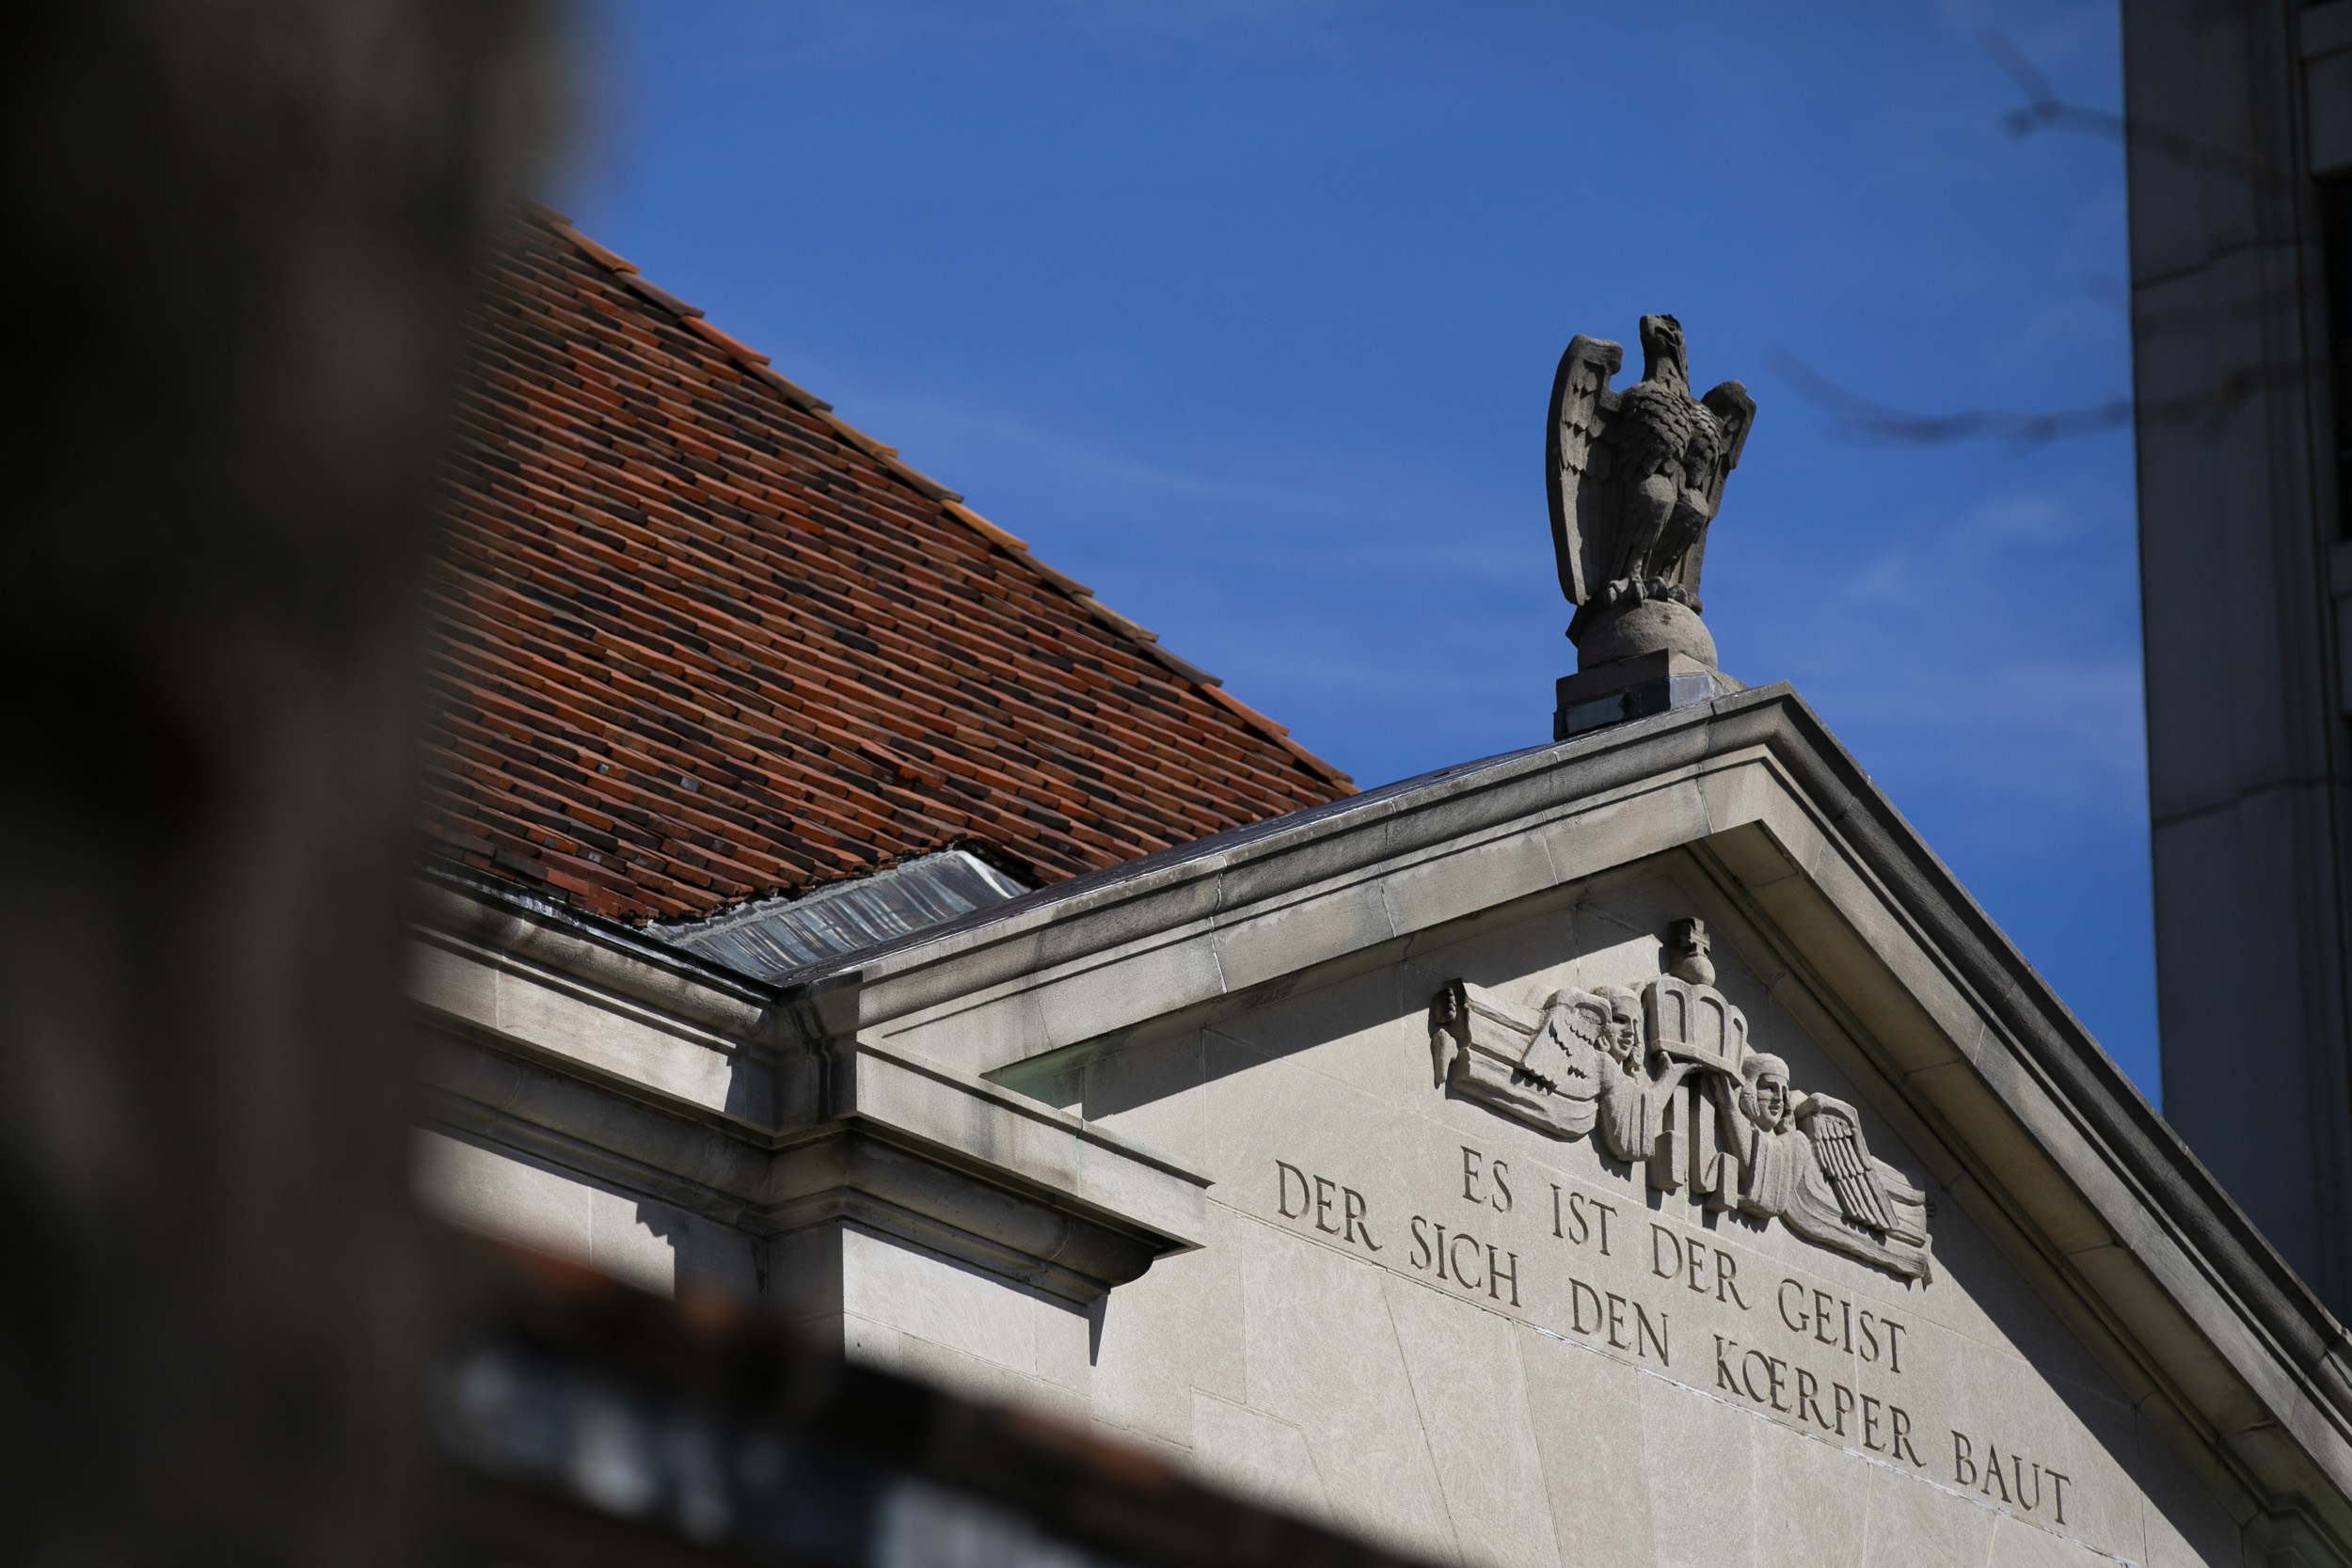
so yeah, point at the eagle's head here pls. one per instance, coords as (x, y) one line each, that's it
(1661, 348)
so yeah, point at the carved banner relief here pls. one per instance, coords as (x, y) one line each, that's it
(1667, 1080)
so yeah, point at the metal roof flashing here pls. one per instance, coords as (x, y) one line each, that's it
(773, 937)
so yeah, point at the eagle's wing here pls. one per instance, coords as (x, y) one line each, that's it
(1576, 462)
(1564, 1053)
(1734, 411)
(1845, 1159)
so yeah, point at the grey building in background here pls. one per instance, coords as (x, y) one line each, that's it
(2240, 160)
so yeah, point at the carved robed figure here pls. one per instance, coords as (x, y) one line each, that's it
(1772, 1152)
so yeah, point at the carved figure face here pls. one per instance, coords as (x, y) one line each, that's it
(1624, 1026)
(1764, 1091)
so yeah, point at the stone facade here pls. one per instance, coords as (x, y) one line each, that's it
(1186, 1150)
(2241, 158)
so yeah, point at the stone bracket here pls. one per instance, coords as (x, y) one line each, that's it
(957, 1163)
(854, 1174)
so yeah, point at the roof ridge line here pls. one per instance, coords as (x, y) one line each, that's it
(951, 501)
(692, 316)
(985, 529)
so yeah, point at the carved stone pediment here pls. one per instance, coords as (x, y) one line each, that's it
(1670, 1083)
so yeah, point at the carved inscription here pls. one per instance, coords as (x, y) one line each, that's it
(1493, 1177)
(1992, 1475)
(1668, 1082)
(1808, 1356)
(1585, 1214)
(1456, 1259)
(1811, 1314)
(1337, 1210)
(1880, 1426)
(1637, 1332)
(1695, 1264)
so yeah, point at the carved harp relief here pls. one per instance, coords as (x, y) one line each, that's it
(1701, 1133)
(1687, 1106)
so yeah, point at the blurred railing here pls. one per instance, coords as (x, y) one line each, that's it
(585, 1424)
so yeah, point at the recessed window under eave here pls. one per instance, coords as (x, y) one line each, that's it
(776, 935)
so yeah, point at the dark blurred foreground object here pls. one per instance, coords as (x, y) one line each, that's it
(584, 1423)
(243, 239)
(240, 239)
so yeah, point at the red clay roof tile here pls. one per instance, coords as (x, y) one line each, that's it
(697, 640)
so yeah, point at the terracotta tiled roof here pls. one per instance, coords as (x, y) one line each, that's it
(698, 640)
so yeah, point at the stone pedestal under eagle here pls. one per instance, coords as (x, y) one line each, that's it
(1636, 477)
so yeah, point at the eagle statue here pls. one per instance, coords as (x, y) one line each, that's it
(1636, 477)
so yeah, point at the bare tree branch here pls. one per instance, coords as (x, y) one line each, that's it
(2211, 409)
(1879, 422)
(2044, 109)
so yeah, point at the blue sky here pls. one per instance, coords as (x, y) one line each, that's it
(1245, 312)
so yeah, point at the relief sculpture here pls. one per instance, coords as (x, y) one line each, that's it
(1668, 1081)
